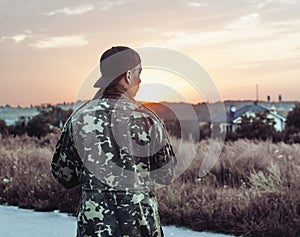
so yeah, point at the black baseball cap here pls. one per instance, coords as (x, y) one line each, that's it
(114, 62)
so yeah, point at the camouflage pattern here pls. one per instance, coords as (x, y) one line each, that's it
(117, 150)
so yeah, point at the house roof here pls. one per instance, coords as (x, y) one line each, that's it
(251, 108)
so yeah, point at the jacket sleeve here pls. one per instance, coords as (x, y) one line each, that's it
(149, 131)
(66, 164)
(163, 159)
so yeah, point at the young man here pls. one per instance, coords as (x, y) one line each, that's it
(116, 149)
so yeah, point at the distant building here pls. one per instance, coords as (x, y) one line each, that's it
(9, 122)
(234, 117)
(188, 120)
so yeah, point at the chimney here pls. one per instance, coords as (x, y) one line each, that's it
(280, 104)
(269, 101)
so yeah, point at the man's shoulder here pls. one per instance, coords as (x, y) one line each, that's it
(91, 107)
(121, 107)
(143, 110)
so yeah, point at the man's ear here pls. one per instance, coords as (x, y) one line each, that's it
(128, 76)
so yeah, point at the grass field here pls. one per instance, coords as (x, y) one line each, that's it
(253, 190)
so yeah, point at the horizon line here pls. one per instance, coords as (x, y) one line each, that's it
(154, 102)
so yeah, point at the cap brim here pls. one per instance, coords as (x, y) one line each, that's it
(102, 82)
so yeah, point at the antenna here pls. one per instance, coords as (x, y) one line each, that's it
(257, 96)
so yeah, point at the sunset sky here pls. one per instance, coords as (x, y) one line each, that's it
(49, 48)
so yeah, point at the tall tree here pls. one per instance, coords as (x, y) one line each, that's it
(292, 129)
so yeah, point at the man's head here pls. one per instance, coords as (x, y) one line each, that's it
(122, 65)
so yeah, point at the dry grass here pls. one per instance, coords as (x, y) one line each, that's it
(253, 189)
(25, 176)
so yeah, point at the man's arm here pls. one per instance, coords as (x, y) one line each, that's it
(163, 160)
(66, 164)
(149, 133)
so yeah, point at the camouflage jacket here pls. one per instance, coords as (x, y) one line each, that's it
(117, 150)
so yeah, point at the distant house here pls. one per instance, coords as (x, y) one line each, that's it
(192, 117)
(9, 122)
(234, 117)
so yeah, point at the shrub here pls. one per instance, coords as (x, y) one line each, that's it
(3, 128)
(257, 127)
(38, 126)
(19, 128)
